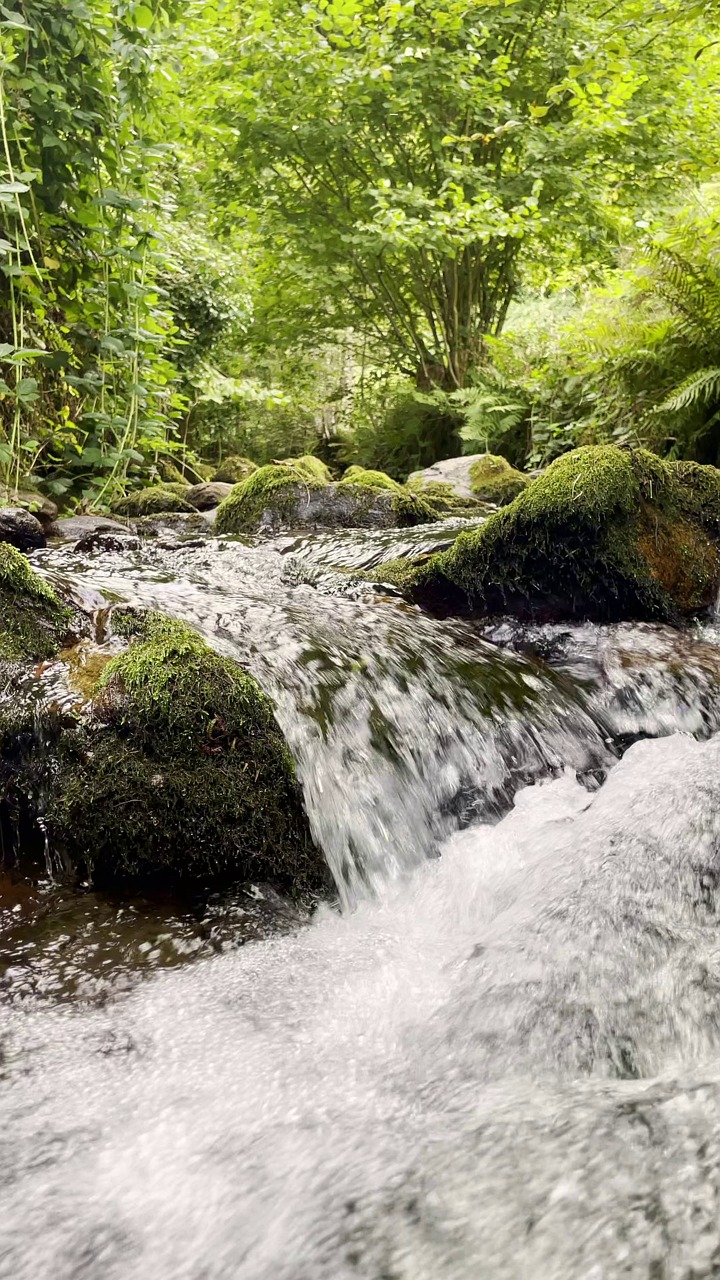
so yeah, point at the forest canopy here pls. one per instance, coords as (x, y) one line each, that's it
(384, 233)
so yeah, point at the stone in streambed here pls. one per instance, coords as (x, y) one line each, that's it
(33, 621)
(21, 529)
(605, 534)
(73, 528)
(43, 508)
(204, 497)
(157, 499)
(181, 775)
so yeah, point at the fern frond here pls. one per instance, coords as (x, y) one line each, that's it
(702, 387)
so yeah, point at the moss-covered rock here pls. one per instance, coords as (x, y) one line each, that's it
(234, 469)
(33, 621)
(444, 500)
(157, 499)
(604, 533)
(182, 774)
(170, 473)
(493, 479)
(273, 489)
(409, 507)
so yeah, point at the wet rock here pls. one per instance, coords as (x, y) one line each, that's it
(44, 509)
(184, 773)
(75, 527)
(604, 534)
(157, 499)
(182, 523)
(295, 496)
(20, 529)
(99, 541)
(204, 497)
(33, 621)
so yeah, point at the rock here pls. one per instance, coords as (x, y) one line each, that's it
(44, 509)
(234, 469)
(284, 496)
(207, 496)
(99, 541)
(180, 774)
(74, 527)
(183, 523)
(308, 465)
(452, 471)
(604, 534)
(159, 498)
(492, 479)
(20, 529)
(33, 621)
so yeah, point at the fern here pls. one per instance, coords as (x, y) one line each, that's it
(701, 388)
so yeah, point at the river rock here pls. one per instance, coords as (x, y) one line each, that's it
(74, 527)
(604, 534)
(452, 471)
(44, 509)
(21, 529)
(205, 497)
(183, 523)
(295, 495)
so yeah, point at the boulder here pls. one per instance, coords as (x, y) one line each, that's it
(479, 476)
(180, 773)
(234, 469)
(283, 496)
(20, 529)
(157, 499)
(44, 509)
(207, 496)
(605, 534)
(74, 527)
(33, 621)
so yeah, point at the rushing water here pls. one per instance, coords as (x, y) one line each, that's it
(503, 1061)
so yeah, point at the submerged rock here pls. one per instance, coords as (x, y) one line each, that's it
(33, 621)
(605, 533)
(147, 502)
(295, 495)
(181, 773)
(20, 529)
(74, 527)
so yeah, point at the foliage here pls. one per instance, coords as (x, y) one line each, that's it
(411, 157)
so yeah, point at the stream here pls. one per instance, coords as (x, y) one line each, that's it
(495, 1056)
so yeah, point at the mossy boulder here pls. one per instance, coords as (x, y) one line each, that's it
(493, 479)
(287, 495)
(170, 473)
(605, 533)
(156, 500)
(408, 506)
(444, 500)
(182, 774)
(234, 469)
(33, 621)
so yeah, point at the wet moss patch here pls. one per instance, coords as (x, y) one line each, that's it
(157, 499)
(33, 621)
(604, 533)
(274, 486)
(493, 479)
(182, 774)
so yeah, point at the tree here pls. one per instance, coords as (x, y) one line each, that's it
(409, 155)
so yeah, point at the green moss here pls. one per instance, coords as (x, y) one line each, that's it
(234, 469)
(493, 479)
(699, 493)
(604, 533)
(171, 474)
(310, 467)
(370, 479)
(156, 500)
(33, 622)
(188, 774)
(442, 497)
(272, 486)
